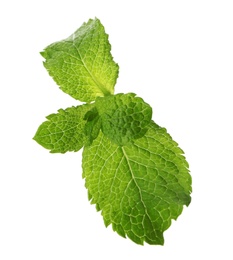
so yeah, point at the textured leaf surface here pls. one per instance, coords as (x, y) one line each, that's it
(63, 131)
(125, 117)
(139, 188)
(82, 64)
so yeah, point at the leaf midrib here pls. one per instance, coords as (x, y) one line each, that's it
(134, 180)
(98, 84)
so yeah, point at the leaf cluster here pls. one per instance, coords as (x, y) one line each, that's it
(134, 172)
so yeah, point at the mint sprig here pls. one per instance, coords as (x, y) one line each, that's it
(134, 172)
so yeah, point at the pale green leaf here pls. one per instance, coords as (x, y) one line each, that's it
(63, 131)
(82, 64)
(124, 117)
(139, 188)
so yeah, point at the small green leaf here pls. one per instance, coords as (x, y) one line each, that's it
(125, 117)
(92, 126)
(140, 187)
(63, 131)
(82, 64)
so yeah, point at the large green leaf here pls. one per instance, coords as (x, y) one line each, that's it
(82, 64)
(139, 188)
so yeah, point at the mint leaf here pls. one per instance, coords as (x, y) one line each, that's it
(141, 187)
(63, 131)
(125, 117)
(92, 126)
(82, 64)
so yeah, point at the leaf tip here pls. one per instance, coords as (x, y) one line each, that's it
(43, 54)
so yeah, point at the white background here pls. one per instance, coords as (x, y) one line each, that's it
(178, 56)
